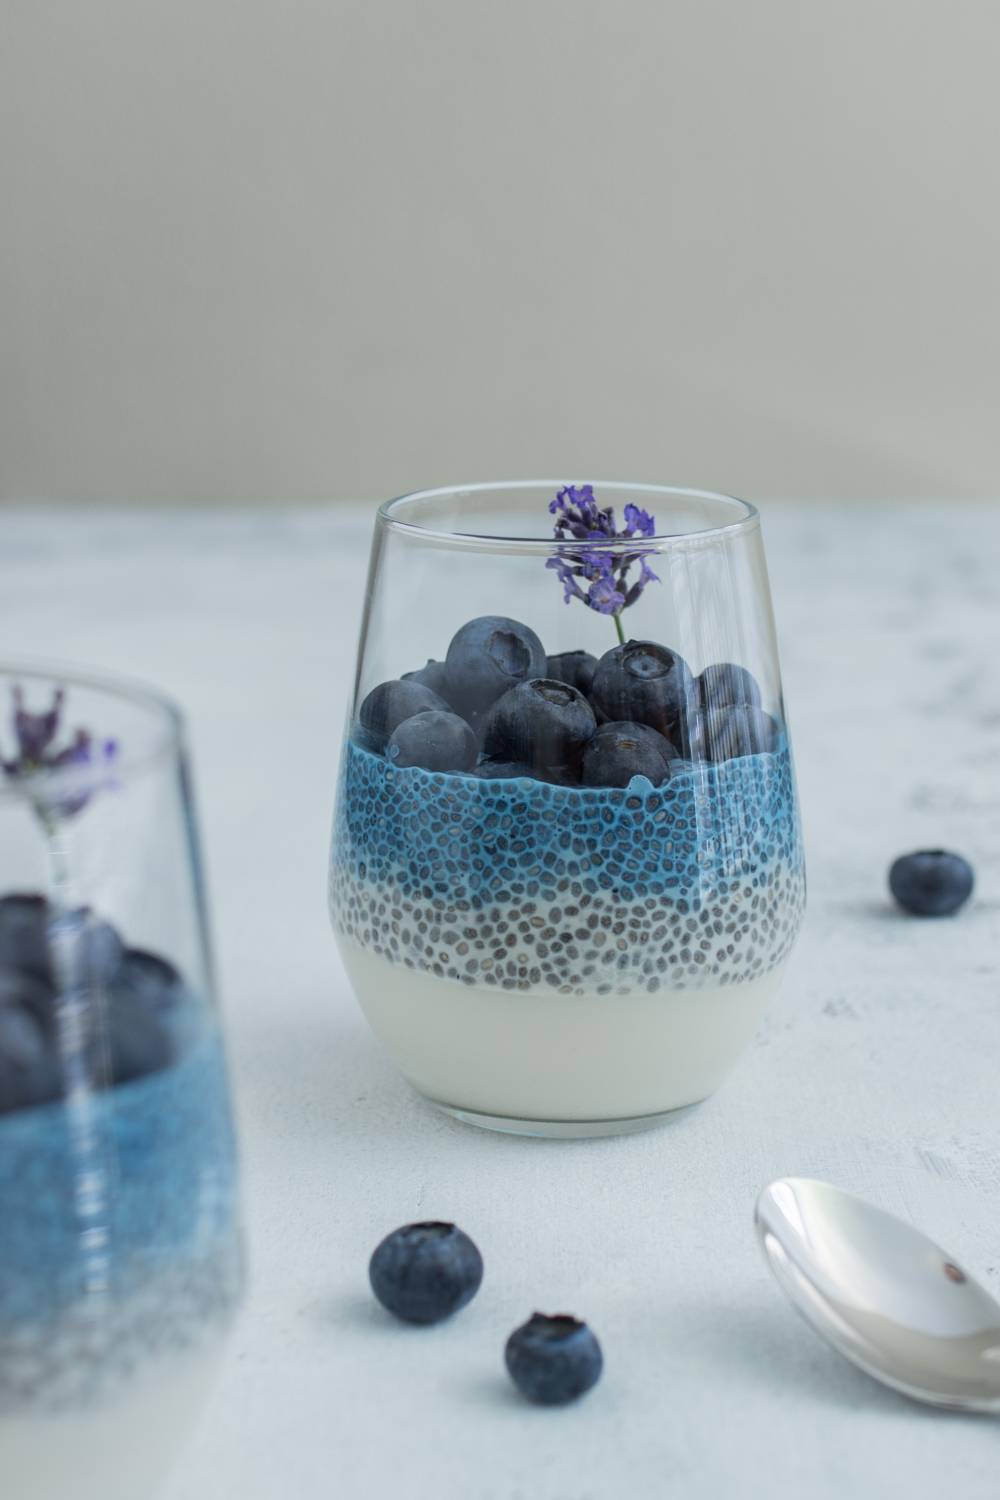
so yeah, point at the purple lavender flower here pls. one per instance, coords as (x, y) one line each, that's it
(59, 781)
(603, 595)
(580, 519)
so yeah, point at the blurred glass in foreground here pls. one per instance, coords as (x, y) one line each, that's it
(120, 1249)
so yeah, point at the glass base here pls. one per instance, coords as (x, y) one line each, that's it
(564, 1130)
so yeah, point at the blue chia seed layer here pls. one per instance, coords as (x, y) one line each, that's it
(522, 884)
(166, 1249)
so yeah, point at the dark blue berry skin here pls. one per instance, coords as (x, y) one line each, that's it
(931, 883)
(620, 751)
(433, 676)
(388, 705)
(725, 683)
(575, 667)
(136, 1041)
(541, 723)
(425, 1272)
(553, 1360)
(128, 992)
(24, 943)
(486, 658)
(149, 979)
(644, 683)
(101, 951)
(35, 995)
(435, 741)
(730, 732)
(503, 770)
(29, 1061)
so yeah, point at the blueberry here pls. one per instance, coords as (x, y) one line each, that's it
(425, 1272)
(620, 751)
(575, 667)
(149, 979)
(723, 683)
(389, 704)
(726, 733)
(487, 657)
(599, 715)
(643, 683)
(932, 882)
(541, 723)
(135, 1040)
(433, 676)
(35, 995)
(435, 741)
(553, 1360)
(24, 943)
(29, 1064)
(101, 951)
(503, 770)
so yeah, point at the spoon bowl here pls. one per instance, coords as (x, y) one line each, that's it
(883, 1294)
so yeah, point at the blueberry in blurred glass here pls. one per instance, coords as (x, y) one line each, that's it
(120, 1249)
(576, 929)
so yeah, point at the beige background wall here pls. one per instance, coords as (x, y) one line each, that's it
(307, 248)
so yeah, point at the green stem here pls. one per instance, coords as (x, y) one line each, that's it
(618, 626)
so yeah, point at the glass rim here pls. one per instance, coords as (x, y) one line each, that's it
(659, 542)
(166, 741)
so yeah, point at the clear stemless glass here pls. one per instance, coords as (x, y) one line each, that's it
(567, 869)
(120, 1249)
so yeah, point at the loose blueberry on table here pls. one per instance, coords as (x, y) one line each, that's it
(931, 882)
(553, 1360)
(425, 1272)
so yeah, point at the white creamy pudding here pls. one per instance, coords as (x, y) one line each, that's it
(539, 1055)
(541, 953)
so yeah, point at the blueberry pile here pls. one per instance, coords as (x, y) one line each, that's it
(132, 993)
(498, 708)
(423, 1273)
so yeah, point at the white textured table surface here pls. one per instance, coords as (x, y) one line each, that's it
(877, 1069)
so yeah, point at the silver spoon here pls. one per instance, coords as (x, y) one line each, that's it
(882, 1294)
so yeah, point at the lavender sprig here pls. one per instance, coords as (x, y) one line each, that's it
(59, 781)
(578, 516)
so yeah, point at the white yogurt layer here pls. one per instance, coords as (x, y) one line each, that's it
(540, 1055)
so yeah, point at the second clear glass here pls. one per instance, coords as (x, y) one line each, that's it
(121, 1262)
